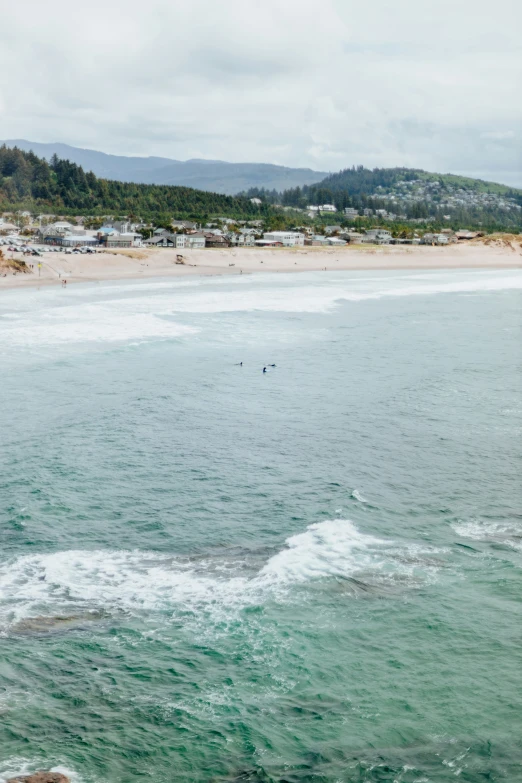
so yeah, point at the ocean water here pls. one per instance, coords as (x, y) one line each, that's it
(208, 573)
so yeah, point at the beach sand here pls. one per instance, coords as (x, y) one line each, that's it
(147, 263)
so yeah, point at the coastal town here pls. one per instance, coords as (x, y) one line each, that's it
(43, 233)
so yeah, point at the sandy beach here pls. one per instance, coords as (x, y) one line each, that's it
(144, 263)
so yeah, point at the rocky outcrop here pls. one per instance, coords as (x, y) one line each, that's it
(41, 777)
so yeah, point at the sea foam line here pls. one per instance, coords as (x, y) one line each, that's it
(78, 580)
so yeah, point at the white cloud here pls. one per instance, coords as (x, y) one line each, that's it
(431, 84)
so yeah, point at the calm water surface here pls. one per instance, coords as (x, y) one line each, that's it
(208, 573)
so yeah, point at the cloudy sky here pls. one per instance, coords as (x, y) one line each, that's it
(435, 84)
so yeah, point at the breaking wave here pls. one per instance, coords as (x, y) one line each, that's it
(80, 580)
(507, 533)
(148, 311)
(88, 323)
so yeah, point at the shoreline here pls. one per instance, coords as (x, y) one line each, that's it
(141, 264)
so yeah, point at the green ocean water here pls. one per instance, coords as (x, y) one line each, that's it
(208, 573)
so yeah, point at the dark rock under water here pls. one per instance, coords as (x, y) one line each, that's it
(56, 623)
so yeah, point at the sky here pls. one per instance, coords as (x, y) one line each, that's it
(326, 85)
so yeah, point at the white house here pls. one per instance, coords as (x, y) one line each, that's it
(434, 239)
(377, 236)
(287, 238)
(323, 208)
(195, 241)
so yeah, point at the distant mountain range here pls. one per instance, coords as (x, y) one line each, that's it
(216, 176)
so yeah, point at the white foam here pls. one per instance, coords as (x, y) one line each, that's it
(507, 533)
(147, 581)
(312, 294)
(88, 323)
(357, 496)
(148, 311)
(334, 547)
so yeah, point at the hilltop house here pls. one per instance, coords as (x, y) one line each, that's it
(186, 224)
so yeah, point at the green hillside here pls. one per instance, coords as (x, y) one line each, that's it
(359, 180)
(401, 194)
(29, 182)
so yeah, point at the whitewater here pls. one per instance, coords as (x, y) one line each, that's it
(211, 573)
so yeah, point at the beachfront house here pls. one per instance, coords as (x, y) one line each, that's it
(466, 234)
(77, 240)
(354, 237)
(7, 228)
(105, 231)
(377, 236)
(166, 239)
(434, 239)
(195, 241)
(286, 238)
(316, 240)
(117, 240)
(216, 240)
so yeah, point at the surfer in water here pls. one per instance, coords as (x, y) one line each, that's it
(264, 369)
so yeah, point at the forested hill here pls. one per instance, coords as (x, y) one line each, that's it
(358, 180)
(405, 194)
(29, 182)
(216, 176)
